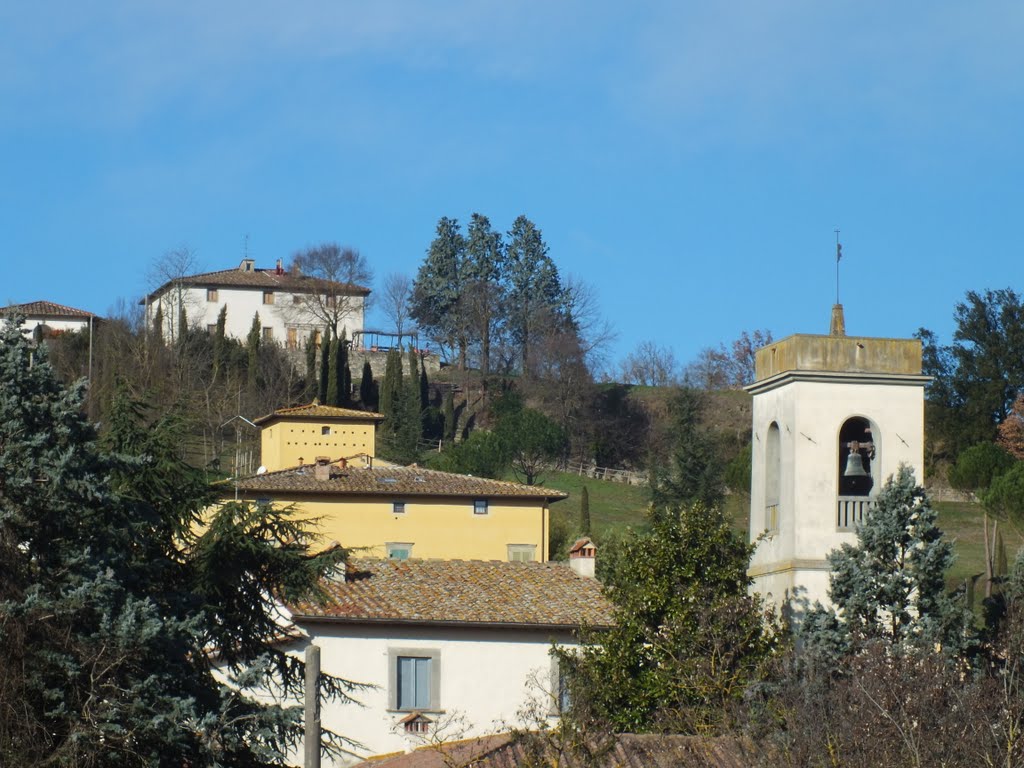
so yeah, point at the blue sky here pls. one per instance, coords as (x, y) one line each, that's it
(689, 160)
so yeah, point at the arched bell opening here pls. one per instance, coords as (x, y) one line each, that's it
(858, 447)
(772, 477)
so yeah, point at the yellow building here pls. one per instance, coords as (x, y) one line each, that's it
(321, 459)
(293, 436)
(403, 512)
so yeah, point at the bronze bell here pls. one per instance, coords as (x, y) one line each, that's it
(854, 465)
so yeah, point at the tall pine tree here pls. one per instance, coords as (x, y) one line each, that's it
(112, 597)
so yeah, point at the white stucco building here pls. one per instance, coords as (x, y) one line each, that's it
(289, 305)
(833, 418)
(51, 318)
(455, 648)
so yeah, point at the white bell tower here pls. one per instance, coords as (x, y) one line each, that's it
(834, 417)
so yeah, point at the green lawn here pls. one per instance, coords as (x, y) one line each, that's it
(615, 506)
(962, 522)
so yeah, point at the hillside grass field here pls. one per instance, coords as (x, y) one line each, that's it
(615, 507)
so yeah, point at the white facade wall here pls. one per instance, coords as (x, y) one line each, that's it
(61, 325)
(288, 310)
(790, 564)
(486, 677)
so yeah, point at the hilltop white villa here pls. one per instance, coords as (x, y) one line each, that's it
(289, 305)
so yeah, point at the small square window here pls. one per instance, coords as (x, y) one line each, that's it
(268, 334)
(268, 297)
(211, 294)
(325, 430)
(398, 507)
(480, 507)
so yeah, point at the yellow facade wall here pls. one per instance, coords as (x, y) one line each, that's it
(437, 527)
(285, 442)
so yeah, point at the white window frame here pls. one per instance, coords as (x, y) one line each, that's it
(434, 654)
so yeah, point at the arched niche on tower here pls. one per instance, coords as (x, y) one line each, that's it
(772, 476)
(857, 457)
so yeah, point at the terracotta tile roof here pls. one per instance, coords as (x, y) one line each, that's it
(46, 309)
(265, 279)
(630, 750)
(319, 412)
(393, 481)
(461, 592)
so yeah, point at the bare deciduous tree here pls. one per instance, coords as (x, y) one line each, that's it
(594, 332)
(651, 366)
(170, 269)
(338, 279)
(394, 301)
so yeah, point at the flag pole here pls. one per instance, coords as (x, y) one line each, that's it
(839, 256)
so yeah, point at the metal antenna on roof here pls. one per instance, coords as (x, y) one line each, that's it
(245, 246)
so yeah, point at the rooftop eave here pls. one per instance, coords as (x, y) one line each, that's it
(300, 618)
(271, 418)
(391, 492)
(837, 377)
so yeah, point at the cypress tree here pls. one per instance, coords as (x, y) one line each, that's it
(585, 511)
(182, 324)
(449, 416)
(414, 393)
(325, 364)
(252, 345)
(368, 387)
(332, 375)
(158, 324)
(219, 340)
(344, 374)
(410, 426)
(312, 385)
(424, 388)
(390, 395)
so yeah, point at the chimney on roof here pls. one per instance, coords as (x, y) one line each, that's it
(280, 267)
(247, 265)
(322, 468)
(583, 558)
